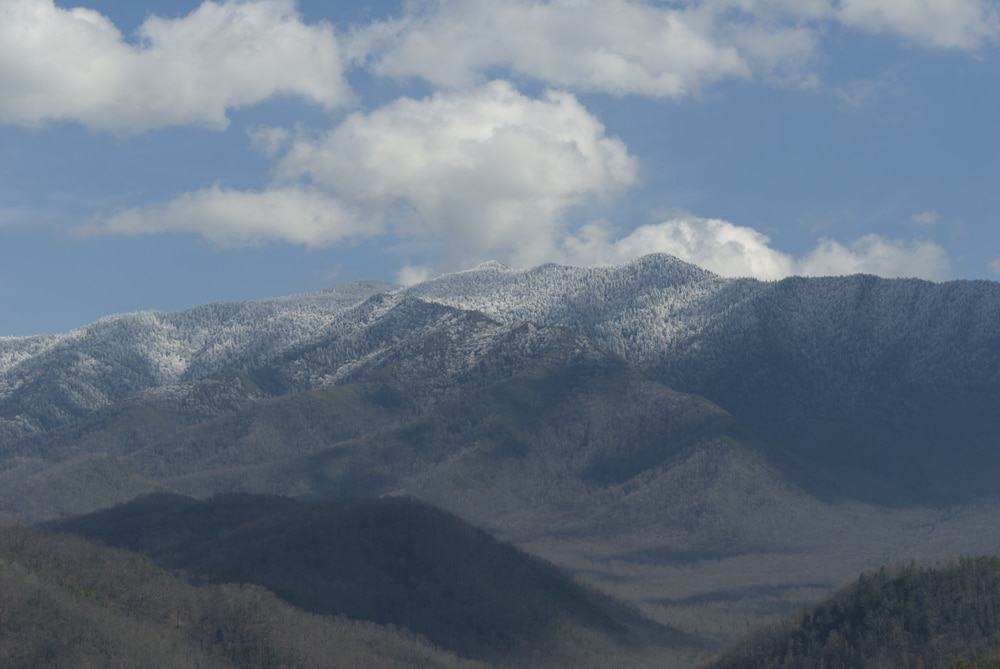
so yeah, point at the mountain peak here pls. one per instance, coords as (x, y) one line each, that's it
(669, 262)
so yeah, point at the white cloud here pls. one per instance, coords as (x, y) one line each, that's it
(716, 245)
(489, 170)
(616, 46)
(489, 173)
(74, 65)
(948, 24)
(233, 217)
(409, 275)
(646, 48)
(995, 266)
(733, 251)
(309, 217)
(873, 254)
(59, 64)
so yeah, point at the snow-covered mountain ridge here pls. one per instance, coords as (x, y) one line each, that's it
(637, 310)
(308, 341)
(876, 362)
(149, 349)
(827, 372)
(62, 376)
(631, 307)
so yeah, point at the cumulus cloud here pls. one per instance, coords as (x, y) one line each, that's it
(488, 169)
(653, 49)
(234, 217)
(737, 251)
(714, 244)
(61, 64)
(874, 254)
(616, 46)
(489, 173)
(73, 64)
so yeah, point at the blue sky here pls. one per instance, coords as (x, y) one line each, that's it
(166, 154)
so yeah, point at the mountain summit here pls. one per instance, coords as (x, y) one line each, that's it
(854, 386)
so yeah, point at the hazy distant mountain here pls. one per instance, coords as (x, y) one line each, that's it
(391, 561)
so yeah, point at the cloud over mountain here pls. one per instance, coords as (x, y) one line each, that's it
(491, 170)
(737, 251)
(479, 169)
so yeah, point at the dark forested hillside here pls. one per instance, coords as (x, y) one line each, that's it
(66, 602)
(391, 561)
(861, 387)
(542, 425)
(919, 617)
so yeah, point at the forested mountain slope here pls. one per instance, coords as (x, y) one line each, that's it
(639, 310)
(862, 387)
(645, 492)
(856, 387)
(532, 431)
(718, 451)
(883, 390)
(413, 363)
(47, 382)
(391, 561)
(66, 602)
(926, 617)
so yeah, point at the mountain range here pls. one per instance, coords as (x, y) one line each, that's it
(717, 452)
